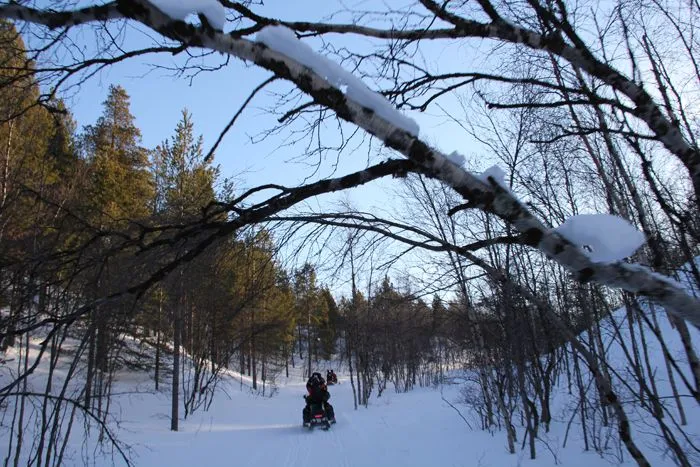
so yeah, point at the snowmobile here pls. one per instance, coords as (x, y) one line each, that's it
(318, 417)
(331, 379)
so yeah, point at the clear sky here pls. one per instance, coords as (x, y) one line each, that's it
(157, 99)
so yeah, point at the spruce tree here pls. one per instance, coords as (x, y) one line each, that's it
(121, 185)
(120, 191)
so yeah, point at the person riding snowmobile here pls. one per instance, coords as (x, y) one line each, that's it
(317, 394)
(331, 377)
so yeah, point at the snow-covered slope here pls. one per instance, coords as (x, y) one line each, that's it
(419, 428)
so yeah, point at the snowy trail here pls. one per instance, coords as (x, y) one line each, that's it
(248, 430)
(403, 430)
(413, 429)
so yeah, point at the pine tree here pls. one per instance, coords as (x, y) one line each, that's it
(36, 166)
(186, 181)
(329, 325)
(121, 185)
(34, 144)
(185, 187)
(282, 306)
(312, 311)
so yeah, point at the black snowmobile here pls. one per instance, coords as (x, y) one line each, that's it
(318, 417)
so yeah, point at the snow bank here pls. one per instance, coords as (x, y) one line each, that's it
(284, 41)
(180, 9)
(606, 238)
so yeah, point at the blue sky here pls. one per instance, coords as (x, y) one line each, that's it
(157, 99)
(213, 97)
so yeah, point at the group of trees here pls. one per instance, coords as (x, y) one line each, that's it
(585, 107)
(70, 199)
(390, 337)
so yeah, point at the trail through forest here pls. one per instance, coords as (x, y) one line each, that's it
(418, 428)
(251, 430)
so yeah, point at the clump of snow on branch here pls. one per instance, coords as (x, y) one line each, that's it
(457, 158)
(603, 237)
(212, 10)
(284, 41)
(496, 173)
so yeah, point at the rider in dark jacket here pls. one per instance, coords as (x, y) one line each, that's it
(317, 394)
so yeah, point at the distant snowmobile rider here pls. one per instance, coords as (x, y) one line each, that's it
(317, 394)
(331, 377)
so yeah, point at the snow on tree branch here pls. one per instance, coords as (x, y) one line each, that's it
(283, 40)
(497, 174)
(181, 9)
(607, 238)
(580, 56)
(457, 158)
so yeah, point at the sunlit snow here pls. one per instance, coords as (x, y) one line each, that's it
(496, 173)
(603, 237)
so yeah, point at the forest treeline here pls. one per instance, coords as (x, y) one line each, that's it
(69, 193)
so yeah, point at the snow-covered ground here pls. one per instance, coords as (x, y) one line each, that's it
(413, 429)
(248, 430)
(418, 428)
